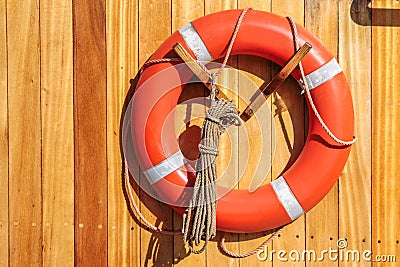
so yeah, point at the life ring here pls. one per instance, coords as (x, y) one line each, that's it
(321, 161)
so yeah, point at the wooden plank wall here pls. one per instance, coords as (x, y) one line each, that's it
(65, 73)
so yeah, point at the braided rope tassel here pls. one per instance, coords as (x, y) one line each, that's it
(221, 115)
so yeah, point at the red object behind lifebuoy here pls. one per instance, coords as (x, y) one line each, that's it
(321, 161)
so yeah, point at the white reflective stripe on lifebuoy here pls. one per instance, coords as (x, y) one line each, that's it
(194, 42)
(287, 198)
(323, 74)
(165, 167)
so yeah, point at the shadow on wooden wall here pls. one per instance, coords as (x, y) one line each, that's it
(361, 12)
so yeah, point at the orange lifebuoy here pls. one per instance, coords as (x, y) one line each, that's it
(318, 166)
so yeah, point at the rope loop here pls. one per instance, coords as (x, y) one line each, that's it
(208, 150)
(252, 252)
(308, 94)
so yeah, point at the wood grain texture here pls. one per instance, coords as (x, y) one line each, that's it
(184, 12)
(256, 144)
(385, 132)
(321, 19)
(4, 237)
(288, 111)
(25, 199)
(90, 133)
(227, 161)
(250, 151)
(65, 68)
(355, 182)
(156, 250)
(57, 132)
(122, 57)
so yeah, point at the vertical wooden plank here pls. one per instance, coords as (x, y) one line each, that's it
(25, 200)
(215, 6)
(228, 146)
(290, 134)
(321, 18)
(255, 4)
(250, 150)
(90, 133)
(385, 131)
(184, 12)
(3, 137)
(57, 132)
(355, 182)
(122, 57)
(154, 28)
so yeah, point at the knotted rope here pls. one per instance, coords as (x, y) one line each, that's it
(222, 114)
(203, 204)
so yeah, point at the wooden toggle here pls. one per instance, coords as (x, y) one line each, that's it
(265, 90)
(268, 88)
(198, 70)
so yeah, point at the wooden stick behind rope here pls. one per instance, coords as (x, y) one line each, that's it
(266, 89)
(198, 70)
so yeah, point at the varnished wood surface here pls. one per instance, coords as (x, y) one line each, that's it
(90, 135)
(57, 133)
(385, 131)
(355, 194)
(24, 132)
(122, 65)
(4, 236)
(65, 73)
